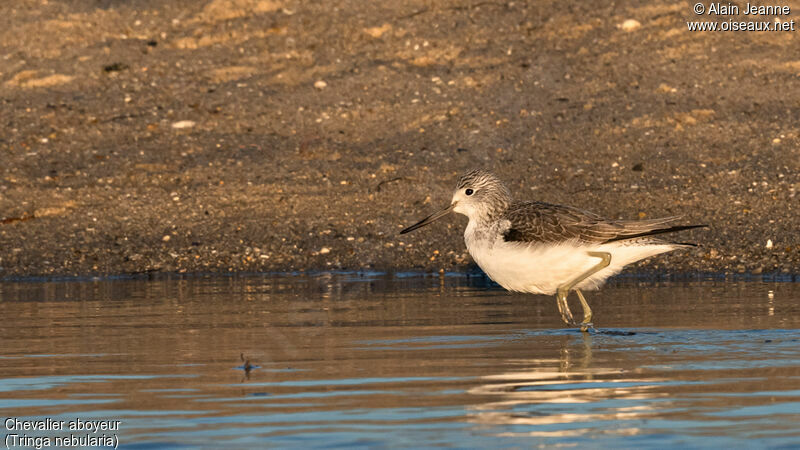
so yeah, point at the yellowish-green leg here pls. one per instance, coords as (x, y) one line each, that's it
(587, 312)
(563, 292)
(563, 306)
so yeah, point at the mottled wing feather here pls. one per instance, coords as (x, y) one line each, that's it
(531, 222)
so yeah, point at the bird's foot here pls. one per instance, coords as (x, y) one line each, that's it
(584, 326)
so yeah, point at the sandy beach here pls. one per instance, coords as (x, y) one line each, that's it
(272, 136)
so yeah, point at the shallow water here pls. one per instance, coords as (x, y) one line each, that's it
(379, 361)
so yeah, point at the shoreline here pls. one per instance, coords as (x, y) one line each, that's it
(651, 276)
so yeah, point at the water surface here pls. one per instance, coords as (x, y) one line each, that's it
(418, 361)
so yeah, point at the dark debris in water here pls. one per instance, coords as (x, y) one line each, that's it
(615, 332)
(247, 366)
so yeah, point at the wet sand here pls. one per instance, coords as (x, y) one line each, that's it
(258, 135)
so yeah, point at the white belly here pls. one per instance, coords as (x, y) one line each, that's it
(542, 268)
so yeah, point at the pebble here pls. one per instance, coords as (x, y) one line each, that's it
(629, 25)
(320, 84)
(166, 238)
(183, 124)
(377, 32)
(324, 251)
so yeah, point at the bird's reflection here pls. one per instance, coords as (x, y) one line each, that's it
(576, 357)
(548, 395)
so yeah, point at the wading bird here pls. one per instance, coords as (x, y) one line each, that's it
(541, 248)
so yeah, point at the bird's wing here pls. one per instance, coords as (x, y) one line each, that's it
(533, 222)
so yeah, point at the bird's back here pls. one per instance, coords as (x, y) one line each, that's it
(536, 222)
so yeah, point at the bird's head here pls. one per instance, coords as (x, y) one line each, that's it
(479, 195)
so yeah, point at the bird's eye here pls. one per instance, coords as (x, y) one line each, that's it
(469, 191)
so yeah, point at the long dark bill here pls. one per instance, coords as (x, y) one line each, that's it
(429, 219)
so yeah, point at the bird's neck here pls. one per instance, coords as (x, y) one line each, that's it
(489, 213)
(482, 228)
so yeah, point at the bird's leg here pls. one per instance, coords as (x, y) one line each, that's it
(563, 306)
(605, 258)
(587, 312)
